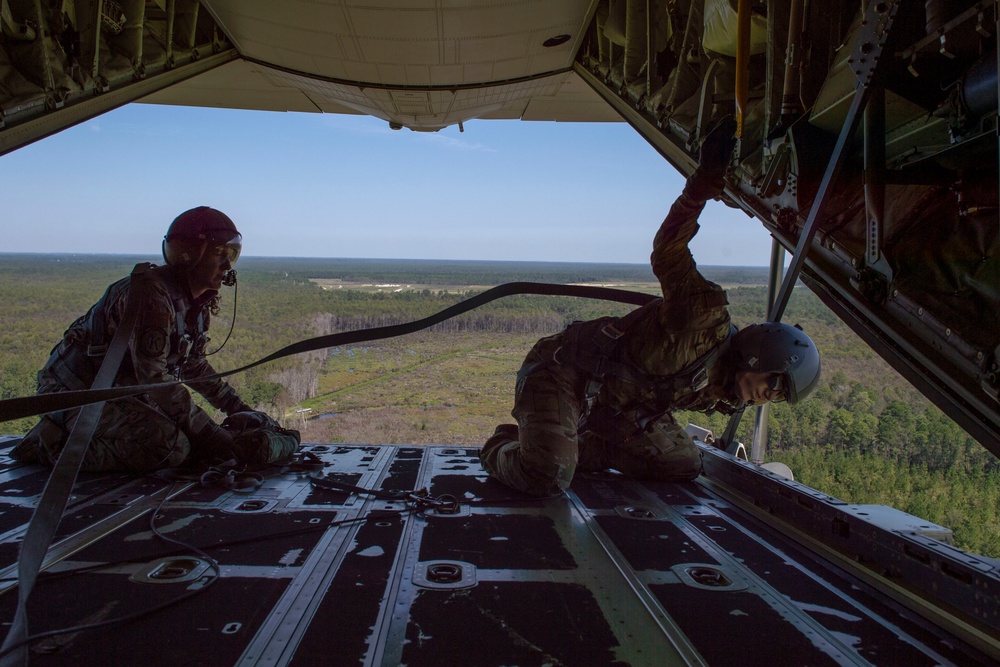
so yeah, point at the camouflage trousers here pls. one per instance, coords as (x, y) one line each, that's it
(130, 436)
(542, 453)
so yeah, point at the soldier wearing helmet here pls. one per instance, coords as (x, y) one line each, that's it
(600, 394)
(162, 428)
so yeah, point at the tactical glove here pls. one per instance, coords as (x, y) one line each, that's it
(707, 181)
(248, 419)
(213, 442)
(237, 406)
(258, 438)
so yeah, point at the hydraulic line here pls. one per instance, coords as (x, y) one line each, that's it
(635, 39)
(742, 63)
(790, 103)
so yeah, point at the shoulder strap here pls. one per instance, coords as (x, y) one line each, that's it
(52, 504)
(695, 374)
(602, 356)
(592, 345)
(98, 327)
(98, 346)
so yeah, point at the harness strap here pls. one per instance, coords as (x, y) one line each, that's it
(187, 343)
(321, 481)
(602, 356)
(52, 504)
(227, 476)
(98, 336)
(606, 359)
(98, 345)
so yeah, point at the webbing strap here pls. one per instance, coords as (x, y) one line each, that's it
(52, 504)
(16, 408)
(320, 480)
(418, 500)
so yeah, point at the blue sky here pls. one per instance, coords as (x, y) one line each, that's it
(312, 185)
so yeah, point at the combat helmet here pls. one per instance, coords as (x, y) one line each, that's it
(194, 230)
(778, 348)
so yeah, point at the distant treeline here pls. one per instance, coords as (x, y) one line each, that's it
(481, 272)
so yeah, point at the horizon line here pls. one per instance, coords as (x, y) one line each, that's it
(373, 259)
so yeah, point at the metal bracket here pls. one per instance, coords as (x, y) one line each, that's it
(446, 574)
(172, 570)
(708, 577)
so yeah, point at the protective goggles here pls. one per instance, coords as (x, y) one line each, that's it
(230, 249)
(777, 384)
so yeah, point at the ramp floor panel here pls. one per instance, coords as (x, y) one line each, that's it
(464, 572)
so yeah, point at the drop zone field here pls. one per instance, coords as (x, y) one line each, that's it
(426, 388)
(395, 288)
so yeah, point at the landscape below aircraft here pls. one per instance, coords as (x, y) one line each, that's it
(868, 148)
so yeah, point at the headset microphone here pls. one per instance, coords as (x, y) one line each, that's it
(229, 280)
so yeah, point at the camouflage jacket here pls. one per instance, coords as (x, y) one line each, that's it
(670, 335)
(168, 343)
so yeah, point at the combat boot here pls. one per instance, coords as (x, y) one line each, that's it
(26, 451)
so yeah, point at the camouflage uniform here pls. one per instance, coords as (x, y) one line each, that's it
(151, 430)
(557, 432)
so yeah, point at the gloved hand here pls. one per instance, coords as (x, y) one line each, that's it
(714, 155)
(248, 419)
(240, 406)
(213, 442)
(258, 438)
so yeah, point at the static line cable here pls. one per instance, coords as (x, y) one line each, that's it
(190, 593)
(49, 576)
(28, 406)
(416, 502)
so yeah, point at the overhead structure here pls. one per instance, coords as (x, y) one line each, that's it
(424, 66)
(892, 221)
(868, 147)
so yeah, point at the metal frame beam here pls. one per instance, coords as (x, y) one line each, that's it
(759, 447)
(670, 151)
(17, 136)
(875, 30)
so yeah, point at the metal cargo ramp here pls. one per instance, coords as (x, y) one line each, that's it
(443, 566)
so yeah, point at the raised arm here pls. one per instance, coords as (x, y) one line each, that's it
(671, 260)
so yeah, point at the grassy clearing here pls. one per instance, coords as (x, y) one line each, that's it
(422, 389)
(376, 288)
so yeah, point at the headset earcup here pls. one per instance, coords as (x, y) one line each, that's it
(182, 253)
